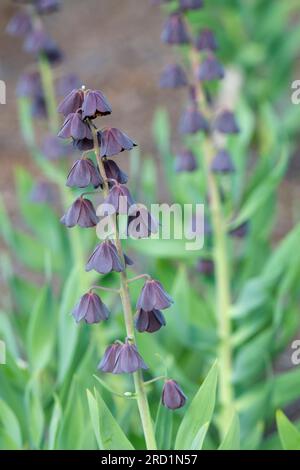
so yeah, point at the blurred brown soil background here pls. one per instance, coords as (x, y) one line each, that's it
(113, 45)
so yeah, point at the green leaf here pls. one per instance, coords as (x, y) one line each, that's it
(10, 425)
(108, 433)
(163, 427)
(35, 413)
(288, 433)
(41, 331)
(199, 412)
(54, 424)
(231, 440)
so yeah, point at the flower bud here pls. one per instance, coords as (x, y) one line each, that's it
(172, 395)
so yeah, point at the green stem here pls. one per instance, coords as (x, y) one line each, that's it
(49, 93)
(223, 297)
(140, 391)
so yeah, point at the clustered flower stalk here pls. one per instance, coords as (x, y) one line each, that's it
(81, 107)
(200, 116)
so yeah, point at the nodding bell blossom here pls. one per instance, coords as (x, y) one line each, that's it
(83, 173)
(222, 163)
(226, 123)
(39, 42)
(190, 4)
(210, 69)
(153, 296)
(206, 41)
(71, 103)
(83, 144)
(114, 141)
(47, 6)
(105, 259)
(172, 395)
(175, 31)
(173, 76)
(75, 127)
(19, 25)
(140, 222)
(95, 104)
(192, 121)
(113, 172)
(80, 213)
(119, 198)
(122, 358)
(91, 309)
(185, 161)
(149, 322)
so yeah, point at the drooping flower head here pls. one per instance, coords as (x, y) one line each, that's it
(192, 121)
(91, 309)
(20, 24)
(210, 69)
(173, 76)
(80, 213)
(222, 163)
(119, 198)
(174, 31)
(153, 296)
(140, 222)
(114, 141)
(185, 161)
(83, 173)
(172, 395)
(114, 172)
(226, 123)
(149, 321)
(95, 104)
(105, 259)
(74, 126)
(206, 41)
(122, 358)
(71, 103)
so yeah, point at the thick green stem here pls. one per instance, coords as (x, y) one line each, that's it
(223, 297)
(140, 391)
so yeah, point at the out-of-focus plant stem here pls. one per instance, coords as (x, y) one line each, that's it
(140, 391)
(223, 297)
(49, 93)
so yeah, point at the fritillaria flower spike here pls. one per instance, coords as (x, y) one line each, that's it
(172, 395)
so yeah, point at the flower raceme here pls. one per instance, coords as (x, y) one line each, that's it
(81, 107)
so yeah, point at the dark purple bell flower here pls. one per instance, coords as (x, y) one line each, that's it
(47, 6)
(153, 297)
(19, 25)
(83, 144)
(174, 31)
(205, 266)
(113, 171)
(66, 84)
(210, 69)
(206, 41)
(173, 76)
(226, 123)
(149, 321)
(241, 231)
(105, 259)
(83, 173)
(114, 141)
(71, 103)
(54, 148)
(119, 198)
(222, 163)
(185, 161)
(122, 359)
(75, 127)
(110, 357)
(172, 395)
(37, 41)
(30, 85)
(53, 53)
(44, 192)
(190, 4)
(38, 107)
(91, 309)
(140, 222)
(95, 104)
(80, 213)
(192, 121)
